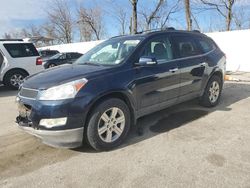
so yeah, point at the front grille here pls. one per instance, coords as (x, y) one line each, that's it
(28, 93)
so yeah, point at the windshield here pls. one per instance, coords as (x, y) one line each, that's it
(110, 52)
(56, 56)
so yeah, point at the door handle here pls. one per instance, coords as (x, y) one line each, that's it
(173, 70)
(203, 64)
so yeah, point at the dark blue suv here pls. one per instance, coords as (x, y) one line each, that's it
(100, 96)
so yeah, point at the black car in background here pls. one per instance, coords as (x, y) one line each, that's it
(62, 58)
(46, 54)
(100, 96)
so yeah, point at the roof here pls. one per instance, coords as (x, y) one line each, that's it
(155, 32)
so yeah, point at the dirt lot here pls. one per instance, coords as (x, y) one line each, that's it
(183, 146)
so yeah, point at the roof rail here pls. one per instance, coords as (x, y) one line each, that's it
(169, 28)
(11, 39)
(118, 36)
(157, 29)
(196, 31)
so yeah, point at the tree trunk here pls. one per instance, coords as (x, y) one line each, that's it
(229, 14)
(188, 15)
(134, 5)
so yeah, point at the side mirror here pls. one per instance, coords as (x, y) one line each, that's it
(148, 61)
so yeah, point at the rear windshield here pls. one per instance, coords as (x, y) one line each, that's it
(21, 50)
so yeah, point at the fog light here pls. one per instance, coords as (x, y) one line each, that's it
(49, 123)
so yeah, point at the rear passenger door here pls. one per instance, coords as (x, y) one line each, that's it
(191, 64)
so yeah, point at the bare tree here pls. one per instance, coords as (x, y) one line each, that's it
(91, 21)
(60, 17)
(241, 18)
(165, 13)
(134, 16)
(224, 8)
(188, 15)
(149, 17)
(7, 36)
(122, 18)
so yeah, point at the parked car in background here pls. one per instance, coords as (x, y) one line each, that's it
(18, 60)
(46, 54)
(61, 58)
(104, 92)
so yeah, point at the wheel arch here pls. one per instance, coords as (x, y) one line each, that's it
(116, 94)
(215, 72)
(13, 70)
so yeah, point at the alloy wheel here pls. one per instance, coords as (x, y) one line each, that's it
(16, 80)
(214, 92)
(111, 125)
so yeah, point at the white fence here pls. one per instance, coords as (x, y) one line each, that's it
(236, 46)
(234, 43)
(81, 47)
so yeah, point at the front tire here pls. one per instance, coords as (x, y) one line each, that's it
(212, 93)
(14, 79)
(109, 124)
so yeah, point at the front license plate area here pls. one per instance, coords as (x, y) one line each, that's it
(23, 110)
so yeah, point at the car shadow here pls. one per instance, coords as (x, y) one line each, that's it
(181, 114)
(7, 92)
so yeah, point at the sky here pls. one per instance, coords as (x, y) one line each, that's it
(17, 14)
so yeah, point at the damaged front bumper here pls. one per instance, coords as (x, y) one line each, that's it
(69, 138)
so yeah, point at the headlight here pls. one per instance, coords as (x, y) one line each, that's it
(64, 91)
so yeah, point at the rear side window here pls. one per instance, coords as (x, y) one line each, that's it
(206, 45)
(76, 55)
(186, 46)
(51, 52)
(21, 50)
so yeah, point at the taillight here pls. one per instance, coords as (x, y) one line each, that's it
(39, 61)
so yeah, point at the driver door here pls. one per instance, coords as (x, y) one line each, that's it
(157, 86)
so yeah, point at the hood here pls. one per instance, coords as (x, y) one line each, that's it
(62, 74)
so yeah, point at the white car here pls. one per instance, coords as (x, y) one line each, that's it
(18, 60)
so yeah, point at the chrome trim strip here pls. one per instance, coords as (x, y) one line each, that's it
(175, 86)
(25, 97)
(29, 89)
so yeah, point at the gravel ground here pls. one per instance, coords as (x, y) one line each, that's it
(182, 146)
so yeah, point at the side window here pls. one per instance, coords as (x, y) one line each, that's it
(206, 45)
(186, 46)
(69, 56)
(159, 48)
(50, 53)
(21, 50)
(76, 55)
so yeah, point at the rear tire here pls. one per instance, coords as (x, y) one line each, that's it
(212, 93)
(108, 125)
(14, 79)
(51, 65)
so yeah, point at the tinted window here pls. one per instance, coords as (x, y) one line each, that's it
(21, 50)
(76, 55)
(206, 45)
(50, 52)
(159, 48)
(186, 46)
(69, 56)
